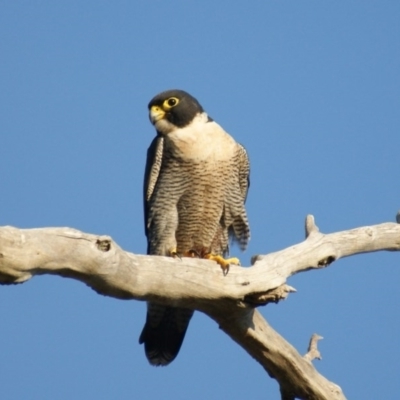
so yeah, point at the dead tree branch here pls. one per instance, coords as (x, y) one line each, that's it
(199, 284)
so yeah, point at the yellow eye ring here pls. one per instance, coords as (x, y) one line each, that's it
(171, 102)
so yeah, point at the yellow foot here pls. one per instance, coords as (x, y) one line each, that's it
(224, 263)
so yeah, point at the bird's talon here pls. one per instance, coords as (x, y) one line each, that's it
(191, 253)
(174, 254)
(225, 270)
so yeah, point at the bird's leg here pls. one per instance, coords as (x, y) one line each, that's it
(189, 253)
(224, 263)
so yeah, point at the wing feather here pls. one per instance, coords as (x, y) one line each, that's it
(152, 171)
(239, 231)
(244, 171)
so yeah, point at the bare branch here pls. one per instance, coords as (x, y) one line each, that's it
(313, 351)
(199, 284)
(310, 226)
(271, 296)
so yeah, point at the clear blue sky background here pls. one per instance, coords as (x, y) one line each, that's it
(311, 88)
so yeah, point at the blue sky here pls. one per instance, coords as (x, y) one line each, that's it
(310, 88)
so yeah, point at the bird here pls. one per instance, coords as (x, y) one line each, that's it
(195, 187)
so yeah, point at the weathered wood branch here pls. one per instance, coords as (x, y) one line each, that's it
(313, 351)
(199, 284)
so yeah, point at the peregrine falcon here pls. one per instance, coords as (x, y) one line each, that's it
(195, 187)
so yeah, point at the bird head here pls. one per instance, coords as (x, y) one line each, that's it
(173, 109)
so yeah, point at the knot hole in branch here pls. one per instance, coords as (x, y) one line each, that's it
(326, 261)
(103, 244)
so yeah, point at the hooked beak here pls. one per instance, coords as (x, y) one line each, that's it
(156, 113)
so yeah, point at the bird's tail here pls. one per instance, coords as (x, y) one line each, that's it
(163, 332)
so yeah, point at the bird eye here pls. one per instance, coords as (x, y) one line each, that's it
(171, 102)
